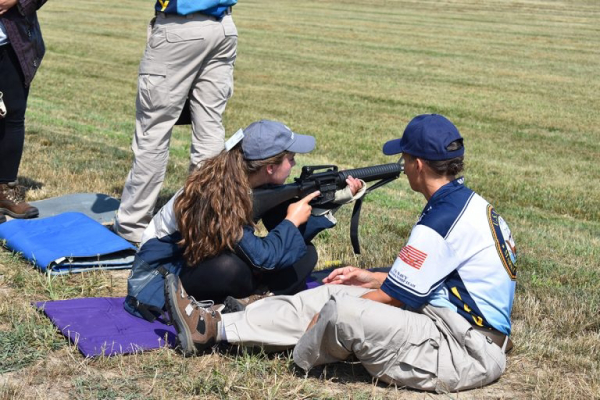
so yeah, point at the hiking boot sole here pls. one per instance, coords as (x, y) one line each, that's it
(184, 335)
(27, 215)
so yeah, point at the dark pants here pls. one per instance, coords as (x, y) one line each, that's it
(228, 275)
(12, 127)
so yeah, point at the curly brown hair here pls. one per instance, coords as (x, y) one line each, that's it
(216, 203)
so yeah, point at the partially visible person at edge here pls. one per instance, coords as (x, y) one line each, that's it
(21, 52)
(190, 54)
(208, 226)
(438, 321)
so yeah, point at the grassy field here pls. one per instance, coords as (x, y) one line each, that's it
(519, 78)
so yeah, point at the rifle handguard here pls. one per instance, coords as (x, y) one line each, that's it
(374, 173)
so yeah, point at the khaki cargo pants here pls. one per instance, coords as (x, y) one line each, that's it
(434, 350)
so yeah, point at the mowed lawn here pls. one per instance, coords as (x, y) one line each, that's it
(520, 79)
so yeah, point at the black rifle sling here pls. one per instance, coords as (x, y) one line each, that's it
(356, 214)
(354, 226)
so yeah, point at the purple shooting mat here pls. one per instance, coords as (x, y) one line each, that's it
(100, 326)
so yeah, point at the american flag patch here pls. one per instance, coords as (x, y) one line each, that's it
(413, 257)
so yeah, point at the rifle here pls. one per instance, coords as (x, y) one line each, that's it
(326, 179)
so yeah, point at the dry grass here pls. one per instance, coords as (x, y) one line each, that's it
(519, 78)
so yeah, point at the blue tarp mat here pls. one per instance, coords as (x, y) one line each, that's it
(67, 242)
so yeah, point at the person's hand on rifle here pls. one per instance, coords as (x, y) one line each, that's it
(299, 212)
(354, 184)
(353, 276)
(355, 189)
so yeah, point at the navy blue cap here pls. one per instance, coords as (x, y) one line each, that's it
(427, 136)
(264, 139)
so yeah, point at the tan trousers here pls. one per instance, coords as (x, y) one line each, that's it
(185, 56)
(433, 350)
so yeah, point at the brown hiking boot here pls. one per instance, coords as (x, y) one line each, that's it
(196, 322)
(12, 202)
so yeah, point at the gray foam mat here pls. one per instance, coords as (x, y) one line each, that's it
(98, 206)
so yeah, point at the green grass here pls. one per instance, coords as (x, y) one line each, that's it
(519, 79)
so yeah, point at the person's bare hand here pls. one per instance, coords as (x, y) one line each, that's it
(354, 184)
(353, 276)
(6, 5)
(299, 212)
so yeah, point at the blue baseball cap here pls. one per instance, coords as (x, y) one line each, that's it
(264, 139)
(427, 136)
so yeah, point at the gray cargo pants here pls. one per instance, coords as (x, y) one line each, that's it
(434, 349)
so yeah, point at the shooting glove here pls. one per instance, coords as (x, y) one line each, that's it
(342, 196)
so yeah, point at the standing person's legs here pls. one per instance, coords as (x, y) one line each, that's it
(12, 126)
(211, 89)
(176, 51)
(278, 322)
(12, 135)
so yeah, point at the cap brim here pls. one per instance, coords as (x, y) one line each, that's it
(392, 147)
(302, 144)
